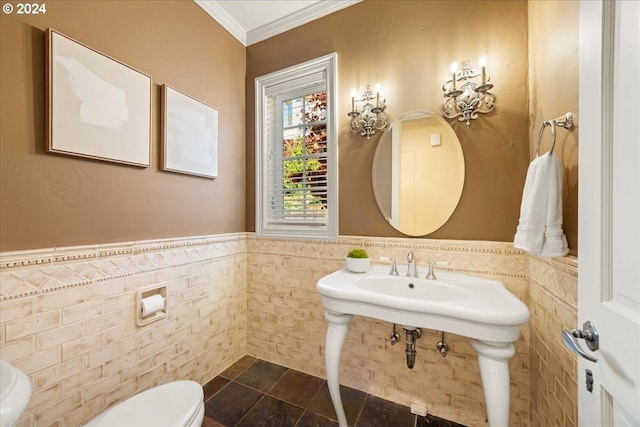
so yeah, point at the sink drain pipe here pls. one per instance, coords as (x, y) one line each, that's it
(442, 346)
(412, 335)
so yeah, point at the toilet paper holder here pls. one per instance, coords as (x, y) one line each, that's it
(151, 303)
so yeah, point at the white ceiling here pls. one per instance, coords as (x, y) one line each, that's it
(256, 20)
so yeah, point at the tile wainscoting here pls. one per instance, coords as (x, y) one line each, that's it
(553, 302)
(287, 326)
(67, 320)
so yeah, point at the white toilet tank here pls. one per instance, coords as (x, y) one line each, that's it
(175, 404)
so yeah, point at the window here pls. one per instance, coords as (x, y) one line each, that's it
(297, 151)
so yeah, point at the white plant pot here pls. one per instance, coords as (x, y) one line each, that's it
(357, 265)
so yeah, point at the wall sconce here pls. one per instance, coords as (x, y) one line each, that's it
(464, 98)
(370, 117)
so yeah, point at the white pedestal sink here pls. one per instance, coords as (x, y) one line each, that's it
(481, 309)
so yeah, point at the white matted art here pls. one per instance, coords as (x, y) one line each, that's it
(190, 135)
(97, 106)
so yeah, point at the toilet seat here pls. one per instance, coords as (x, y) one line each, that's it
(175, 404)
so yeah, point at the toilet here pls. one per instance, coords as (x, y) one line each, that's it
(15, 392)
(175, 404)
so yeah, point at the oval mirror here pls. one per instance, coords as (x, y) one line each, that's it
(418, 172)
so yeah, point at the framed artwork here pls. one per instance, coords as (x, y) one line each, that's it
(97, 106)
(190, 135)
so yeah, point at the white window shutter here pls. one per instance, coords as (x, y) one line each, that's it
(296, 151)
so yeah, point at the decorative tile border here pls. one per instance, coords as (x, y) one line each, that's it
(559, 276)
(473, 257)
(31, 272)
(25, 273)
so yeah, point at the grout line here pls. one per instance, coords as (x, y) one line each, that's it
(304, 409)
(316, 394)
(221, 388)
(364, 402)
(277, 381)
(250, 409)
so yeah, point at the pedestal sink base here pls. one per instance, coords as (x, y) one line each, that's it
(336, 333)
(493, 359)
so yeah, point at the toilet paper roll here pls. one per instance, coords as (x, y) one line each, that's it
(152, 305)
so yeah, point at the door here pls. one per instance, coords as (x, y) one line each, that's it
(609, 211)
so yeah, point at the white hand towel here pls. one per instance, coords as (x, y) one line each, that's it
(539, 231)
(533, 210)
(555, 242)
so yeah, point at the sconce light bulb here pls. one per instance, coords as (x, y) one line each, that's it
(454, 69)
(483, 62)
(377, 91)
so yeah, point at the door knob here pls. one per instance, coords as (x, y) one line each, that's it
(587, 333)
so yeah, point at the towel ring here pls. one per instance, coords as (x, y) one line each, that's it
(553, 136)
(565, 121)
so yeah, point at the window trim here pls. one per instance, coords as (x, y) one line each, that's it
(266, 84)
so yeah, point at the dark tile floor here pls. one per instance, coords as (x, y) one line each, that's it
(256, 393)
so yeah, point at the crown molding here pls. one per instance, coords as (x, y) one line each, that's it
(224, 19)
(286, 23)
(296, 19)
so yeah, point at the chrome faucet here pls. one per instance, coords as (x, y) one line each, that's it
(394, 268)
(430, 274)
(411, 265)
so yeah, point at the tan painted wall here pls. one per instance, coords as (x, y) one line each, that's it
(553, 285)
(50, 200)
(407, 47)
(553, 91)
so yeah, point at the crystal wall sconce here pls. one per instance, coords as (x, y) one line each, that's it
(467, 93)
(369, 118)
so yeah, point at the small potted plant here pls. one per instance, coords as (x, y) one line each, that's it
(357, 261)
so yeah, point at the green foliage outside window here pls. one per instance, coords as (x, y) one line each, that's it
(304, 174)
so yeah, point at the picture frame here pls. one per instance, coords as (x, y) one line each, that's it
(190, 130)
(97, 107)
